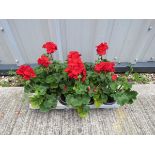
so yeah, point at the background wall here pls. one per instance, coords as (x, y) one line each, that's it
(129, 40)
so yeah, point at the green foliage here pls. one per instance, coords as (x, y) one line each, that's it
(50, 102)
(80, 88)
(46, 86)
(113, 86)
(139, 78)
(40, 90)
(136, 77)
(36, 101)
(105, 88)
(52, 81)
(83, 111)
(80, 103)
(125, 97)
(4, 83)
(43, 102)
(100, 99)
(130, 70)
(76, 100)
(11, 73)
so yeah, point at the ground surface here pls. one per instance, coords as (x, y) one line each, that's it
(17, 118)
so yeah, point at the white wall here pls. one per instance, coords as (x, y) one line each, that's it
(21, 40)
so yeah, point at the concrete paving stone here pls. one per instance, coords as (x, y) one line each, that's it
(137, 119)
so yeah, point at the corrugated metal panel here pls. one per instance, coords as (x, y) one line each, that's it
(29, 35)
(5, 55)
(129, 40)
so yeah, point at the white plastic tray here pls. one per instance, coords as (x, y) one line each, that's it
(61, 106)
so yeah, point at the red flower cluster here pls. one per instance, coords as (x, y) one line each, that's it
(75, 66)
(114, 77)
(44, 61)
(105, 66)
(50, 47)
(101, 49)
(26, 72)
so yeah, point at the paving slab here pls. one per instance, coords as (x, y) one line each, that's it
(17, 119)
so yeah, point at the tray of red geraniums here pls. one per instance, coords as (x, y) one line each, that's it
(75, 84)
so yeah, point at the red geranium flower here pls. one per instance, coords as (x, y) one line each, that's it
(101, 48)
(44, 61)
(105, 66)
(114, 77)
(75, 66)
(26, 72)
(50, 47)
(74, 55)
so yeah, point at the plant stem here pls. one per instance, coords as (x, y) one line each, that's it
(101, 58)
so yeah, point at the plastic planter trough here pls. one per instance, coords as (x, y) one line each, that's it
(63, 105)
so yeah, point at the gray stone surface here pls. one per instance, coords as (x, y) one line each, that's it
(16, 117)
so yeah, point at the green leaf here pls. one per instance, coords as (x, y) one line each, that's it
(38, 70)
(36, 101)
(54, 85)
(127, 85)
(77, 100)
(80, 88)
(53, 80)
(127, 73)
(139, 78)
(99, 100)
(125, 97)
(113, 86)
(132, 96)
(43, 108)
(35, 105)
(102, 76)
(40, 90)
(121, 98)
(51, 101)
(50, 79)
(83, 111)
